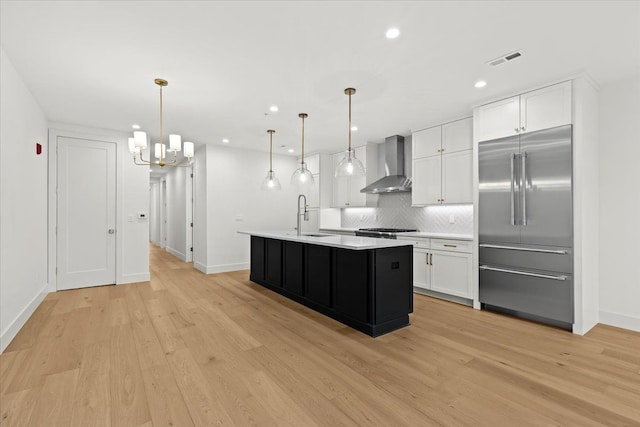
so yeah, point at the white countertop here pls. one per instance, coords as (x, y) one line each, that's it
(437, 235)
(333, 240)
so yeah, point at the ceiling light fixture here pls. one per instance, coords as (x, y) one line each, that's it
(349, 165)
(290, 150)
(274, 108)
(392, 33)
(302, 177)
(138, 143)
(225, 141)
(136, 127)
(271, 182)
(354, 128)
(480, 84)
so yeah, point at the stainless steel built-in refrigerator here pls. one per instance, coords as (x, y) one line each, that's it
(526, 225)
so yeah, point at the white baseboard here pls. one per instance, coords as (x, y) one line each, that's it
(12, 330)
(176, 253)
(620, 320)
(134, 278)
(223, 268)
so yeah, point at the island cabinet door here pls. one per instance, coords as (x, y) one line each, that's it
(393, 283)
(293, 267)
(351, 283)
(257, 258)
(319, 274)
(273, 260)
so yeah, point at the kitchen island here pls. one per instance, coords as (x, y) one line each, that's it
(363, 282)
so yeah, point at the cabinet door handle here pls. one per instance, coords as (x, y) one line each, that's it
(426, 259)
(431, 259)
(450, 246)
(516, 129)
(522, 129)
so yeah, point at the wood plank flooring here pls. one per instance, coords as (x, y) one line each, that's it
(189, 349)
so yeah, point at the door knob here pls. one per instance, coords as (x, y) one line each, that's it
(111, 231)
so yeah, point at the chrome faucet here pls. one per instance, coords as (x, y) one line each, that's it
(304, 214)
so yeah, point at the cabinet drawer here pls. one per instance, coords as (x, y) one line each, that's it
(418, 242)
(452, 245)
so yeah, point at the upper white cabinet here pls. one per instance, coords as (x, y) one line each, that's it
(539, 109)
(443, 164)
(427, 142)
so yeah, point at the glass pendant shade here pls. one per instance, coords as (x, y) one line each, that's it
(132, 146)
(350, 165)
(302, 177)
(270, 182)
(157, 148)
(140, 138)
(174, 142)
(188, 149)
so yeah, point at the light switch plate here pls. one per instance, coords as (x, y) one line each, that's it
(452, 219)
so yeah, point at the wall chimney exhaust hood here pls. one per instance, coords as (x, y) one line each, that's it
(394, 180)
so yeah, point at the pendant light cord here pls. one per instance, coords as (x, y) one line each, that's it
(349, 124)
(302, 153)
(161, 136)
(270, 150)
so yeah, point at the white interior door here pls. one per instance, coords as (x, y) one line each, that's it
(86, 239)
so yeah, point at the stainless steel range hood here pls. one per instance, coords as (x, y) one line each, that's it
(394, 180)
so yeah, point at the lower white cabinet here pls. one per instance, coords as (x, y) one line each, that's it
(451, 273)
(421, 268)
(443, 266)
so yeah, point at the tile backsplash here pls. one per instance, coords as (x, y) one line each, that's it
(394, 210)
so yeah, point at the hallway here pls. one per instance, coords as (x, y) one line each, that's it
(193, 349)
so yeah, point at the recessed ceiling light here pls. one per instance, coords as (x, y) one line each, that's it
(135, 126)
(392, 33)
(290, 150)
(225, 141)
(480, 84)
(354, 128)
(273, 108)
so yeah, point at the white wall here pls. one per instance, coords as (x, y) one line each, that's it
(620, 203)
(236, 202)
(23, 207)
(154, 212)
(178, 207)
(201, 206)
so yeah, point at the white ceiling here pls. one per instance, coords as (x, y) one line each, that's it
(93, 63)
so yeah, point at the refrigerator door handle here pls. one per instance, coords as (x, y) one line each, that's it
(513, 184)
(523, 185)
(560, 277)
(515, 248)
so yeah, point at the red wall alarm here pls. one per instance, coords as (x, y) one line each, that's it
(38, 148)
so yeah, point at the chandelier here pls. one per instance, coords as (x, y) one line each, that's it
(138, 144)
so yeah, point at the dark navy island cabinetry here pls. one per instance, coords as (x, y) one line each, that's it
(361, 282)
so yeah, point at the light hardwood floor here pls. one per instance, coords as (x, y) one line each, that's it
(190, 349)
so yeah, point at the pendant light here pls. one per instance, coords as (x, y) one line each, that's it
(349, 165)
(302, 177)
(271, 182)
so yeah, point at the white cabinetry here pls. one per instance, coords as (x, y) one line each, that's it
(442, 266)
(539, 109)
(442, 164)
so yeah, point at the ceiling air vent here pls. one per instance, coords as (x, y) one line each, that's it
(505, 58)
